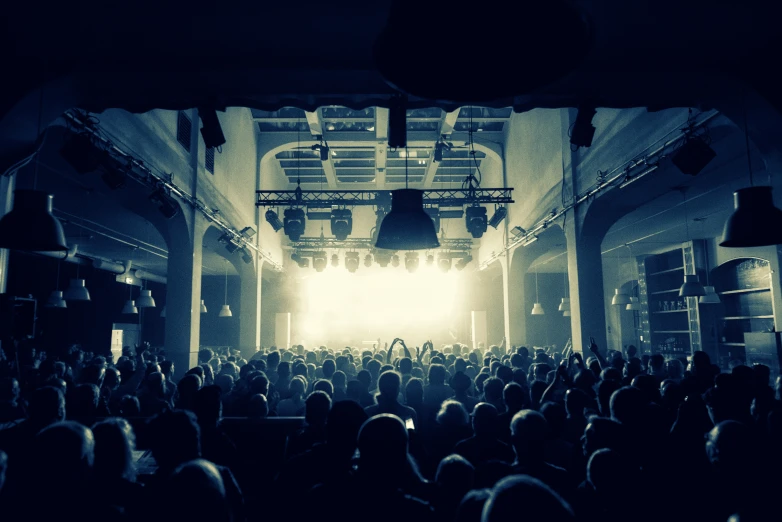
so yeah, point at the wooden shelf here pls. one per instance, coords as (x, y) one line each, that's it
(665, 291)
(669, 271)
(671, 311)
(744, 317)
(671, 331)
(744, 291)
(732, 344)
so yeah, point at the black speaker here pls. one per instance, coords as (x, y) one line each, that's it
(17, 317)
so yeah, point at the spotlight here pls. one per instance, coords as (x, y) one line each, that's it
(693, 156)
(247, 232)
(303, 262)
(430, 259)
(368, 260)
(335, 260)
(518, 231)
(211, 130)
(434, 213)
(463, 262)
(341, 223)
(247, 257)
(81, 153)
(499, 214)
(438, 151)
(444, 263)
(274, 220)
(232, 246)
(412, 261)
(383, 257)
(476, 221)
(397, 123)
(583, 130)
(167, 205)
(351, 261)
(323, 149)
(395, 260)
(319, 261)
(294, 223)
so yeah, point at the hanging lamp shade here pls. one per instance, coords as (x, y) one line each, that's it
(55, 300)
(407, 226)
(620, 298)
(537, 309)
(634, 304)
(145, 300)
(711, 296)
(203, 307)
(564, 305)
(566, 313)
(77, 291)
(692, 287)
(225, 311)
(130, 307)
(30, 225)
(163, 312)
(755, 220)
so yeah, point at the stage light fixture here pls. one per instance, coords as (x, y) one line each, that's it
(247, 257)
(319, 261)
(351, 261)
(167, 205)
(247, 232)
(81, 153)
(368, 260)
(438, 151)
(341, 223)
(583, 130)
(383, 258)
(434, 213)
(323, 149)
(397, 122)
(274, 220)
(476, 221)
(335, 260)
(232, 246)
(430, 259)
(303, 262)
(211, 130)
(395, 260)
(693, 156)
(412, 261)
(463, 262)
(499, 214)
(444, 263)
(294, 222)
(518, 231)
(407, 226)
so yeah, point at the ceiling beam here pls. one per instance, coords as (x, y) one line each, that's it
(446, 128)
(313, 120)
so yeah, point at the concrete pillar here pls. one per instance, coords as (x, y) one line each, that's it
(504, 262)
(250, 309)
(7, 184)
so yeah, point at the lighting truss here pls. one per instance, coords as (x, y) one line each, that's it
(379, 198)
(367, 243)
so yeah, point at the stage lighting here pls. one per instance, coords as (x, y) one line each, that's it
(335, 260)
(323, 149)
(518, 231)
(397, 123)
(81, 153)
(693, 156)
(430, 259)
(434, 213)
(583, 130)
(395, 260)
(438, 151)
(232, 246)
(351, 261)
(247, 232)
(368, 260)
(412, 261)
(319, 261)
(247, 257)
(499, 214)
(303, 262)
(341, 223)
(476, 221)
(383, 257)
(444, 263)
(274, 220)
(167, 205)
(463, 262)
(211, 130)
(294, 221)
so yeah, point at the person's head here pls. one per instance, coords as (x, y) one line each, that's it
(229, 368)
(455, 476)
(317, 408)
(471, 506)
(129, 406)
(373, 367)
(174, 438)
(258, 407)
(259, 384)
(556, 417)
(602, 433)
(628, 407)
(453, 414)
(339, 380)
(536, 391)
(575, 402)
(480, 379)
(492, 390)
(209, 405)
(205, 355)
(414, 391)
(729, 449)
(167, 369)
(528, 430)
(93, 374)
(284, 370)
(460, 382)
(329, 367)
(365, 378)
(9, 389)
(437, 374)
(505, 374)
(611, 374)
(609, 473)
(273, 359)
(389, 384)
(324, 386)
(519, 494)
(405, 365)
(382, 445)
(196, 479)
(656, 364)
(604, 392)
(64, 452)
(298, 386)
(114, 444)
(225, 382)
(516, 361)
(342, 426)
(514, 396)
(83, 402)
(484, 419)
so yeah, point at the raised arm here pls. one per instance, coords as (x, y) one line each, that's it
(595, 350)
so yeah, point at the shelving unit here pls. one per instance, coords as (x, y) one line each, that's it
(744, 286)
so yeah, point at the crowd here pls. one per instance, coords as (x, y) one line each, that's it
(391, 433)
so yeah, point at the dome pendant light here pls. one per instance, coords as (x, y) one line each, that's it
(566, 313)
(130, 305)
(620, 298)
(203, 307)
(407, 226)
(55, 299)
(30, 224)
(77, 291)
(537, 309)
(225, 311)
(146, 300)
(564, 306)
(633, 304)
(755, 220)
(692, 286)
(711, 296)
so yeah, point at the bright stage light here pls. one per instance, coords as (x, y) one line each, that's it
(338, 304)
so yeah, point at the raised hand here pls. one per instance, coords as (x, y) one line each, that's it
(593, 345)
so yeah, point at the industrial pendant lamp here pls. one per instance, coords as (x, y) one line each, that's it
(537, 309)
(566, 313)
(755, 220)
(620, 298)
(407, 226)
(55, 298)
(146, 300)
(634, 304)
(203, 307)
(692, 286)
(564, 306)
(225, 311)
(711, 296)
(77, 291)
(130, 304)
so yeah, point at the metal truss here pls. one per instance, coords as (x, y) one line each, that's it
(378, 198)
(367, 243)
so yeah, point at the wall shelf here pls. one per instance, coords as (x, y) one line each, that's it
(744, 291)
(744, 317)
(732, 344)
(665, 291)
(670, 270)
(670, 311)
